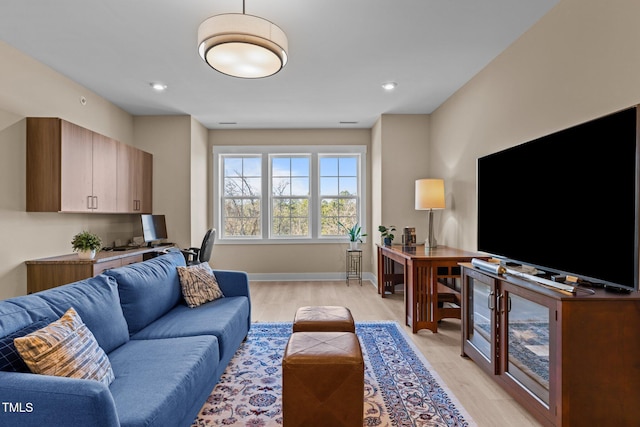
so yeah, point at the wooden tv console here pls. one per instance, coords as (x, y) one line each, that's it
(571, 360)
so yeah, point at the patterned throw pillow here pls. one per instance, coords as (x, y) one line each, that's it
(65, 348)
(10, 360)
(199, 284)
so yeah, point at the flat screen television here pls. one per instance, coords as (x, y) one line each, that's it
(566, 203)
(154, 228)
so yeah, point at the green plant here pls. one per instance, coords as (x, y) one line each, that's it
(355, 233)
(86, 241)
(386, 232)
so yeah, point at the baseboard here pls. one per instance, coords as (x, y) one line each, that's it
(309, 277)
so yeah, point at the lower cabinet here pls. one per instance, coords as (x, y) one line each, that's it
(48, 273)
(570, 360)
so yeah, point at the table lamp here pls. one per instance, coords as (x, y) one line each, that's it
(430, 196)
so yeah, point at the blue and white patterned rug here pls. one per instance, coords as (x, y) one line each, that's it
(400, 390)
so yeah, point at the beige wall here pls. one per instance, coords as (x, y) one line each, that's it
(400, 155)
(579, 62)
(282, 259)
(27, 88)
(200, 180)
(168, 138)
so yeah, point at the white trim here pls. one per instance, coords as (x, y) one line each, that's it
(264, 151)
(310, 277)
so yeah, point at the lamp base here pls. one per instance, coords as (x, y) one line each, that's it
(431, 242)
(430, 245)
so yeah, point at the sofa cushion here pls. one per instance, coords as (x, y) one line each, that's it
(225, 318)
(10, 359)
(199, 284)
(65, 348)
(158, 381)
(96, 300)
(148, 289)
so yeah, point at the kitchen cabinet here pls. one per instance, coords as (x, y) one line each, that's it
(135, 176)
(73, 169)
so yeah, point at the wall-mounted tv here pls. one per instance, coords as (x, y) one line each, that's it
(566, 203)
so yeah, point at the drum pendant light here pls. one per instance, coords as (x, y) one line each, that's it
(241, 45)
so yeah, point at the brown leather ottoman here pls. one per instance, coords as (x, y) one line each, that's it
(323, 318)
(323, 380)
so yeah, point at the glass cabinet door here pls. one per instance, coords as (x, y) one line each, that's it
(527, 337)
(480, 314)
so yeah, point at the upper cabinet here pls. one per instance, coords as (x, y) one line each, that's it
(72, 169)
(135, 172)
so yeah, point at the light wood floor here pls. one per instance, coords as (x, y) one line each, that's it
(485, 402)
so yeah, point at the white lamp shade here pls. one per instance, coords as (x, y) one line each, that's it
(242, 45)
(429, 194)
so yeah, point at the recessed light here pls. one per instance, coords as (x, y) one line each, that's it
(158, 87)
(389, 85)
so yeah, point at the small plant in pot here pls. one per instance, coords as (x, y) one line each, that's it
(86, 244)
(387, 234)
(355, 234)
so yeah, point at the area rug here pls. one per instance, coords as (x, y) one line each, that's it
(400, 387)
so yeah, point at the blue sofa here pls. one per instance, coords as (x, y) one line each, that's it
(166, 357)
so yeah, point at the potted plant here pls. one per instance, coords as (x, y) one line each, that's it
(387, 234)
(355, 234)
(86, 244)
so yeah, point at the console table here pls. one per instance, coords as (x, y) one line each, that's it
(54, 271)
(570, 360)
(431, 277)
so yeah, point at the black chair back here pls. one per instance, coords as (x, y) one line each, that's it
(207, 245)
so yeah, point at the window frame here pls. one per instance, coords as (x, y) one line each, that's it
(266, 152)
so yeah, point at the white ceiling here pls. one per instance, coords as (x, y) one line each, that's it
(341, 51)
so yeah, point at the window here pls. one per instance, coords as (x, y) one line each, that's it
(290, 196)
(338, 193)
(241, 198)
(286, 194)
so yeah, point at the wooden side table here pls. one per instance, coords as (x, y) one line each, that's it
(427, 275)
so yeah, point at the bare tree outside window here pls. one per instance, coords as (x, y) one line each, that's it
(241, 200)
(288, 193)
(338, 193)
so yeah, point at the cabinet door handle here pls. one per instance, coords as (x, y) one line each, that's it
(500, 308)
(490, 301)
(89, 202)
(95, 206)
(509, 304)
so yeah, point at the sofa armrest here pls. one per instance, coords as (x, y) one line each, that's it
(40, 400)
(233, 283)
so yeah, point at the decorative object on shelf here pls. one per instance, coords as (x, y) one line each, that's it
(241, 45)
(386, 233)
(355, 235)
(409, 238)
(86, 244)
(430, 196)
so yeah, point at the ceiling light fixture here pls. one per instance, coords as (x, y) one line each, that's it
(389, 85)
(158, 87)
(241, 45)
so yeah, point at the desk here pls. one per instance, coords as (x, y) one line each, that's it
(54, 271)
(430, 278)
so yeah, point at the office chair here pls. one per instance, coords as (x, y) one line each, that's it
(194, 256)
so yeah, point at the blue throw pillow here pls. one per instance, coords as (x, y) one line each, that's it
(10, 360)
